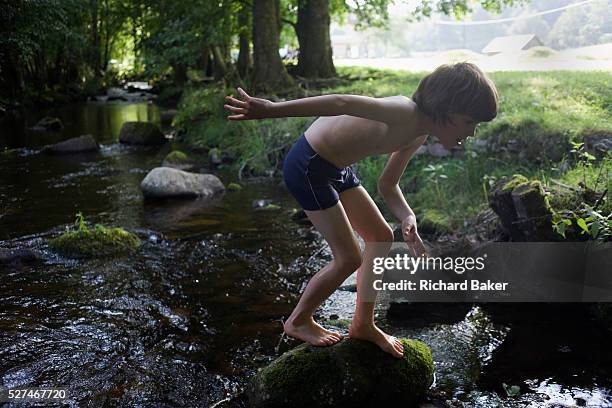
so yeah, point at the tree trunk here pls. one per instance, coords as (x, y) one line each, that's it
(270, 74)
(180, 74)
(95, 39)
(244, 57)
(220, 68)
(312, 29)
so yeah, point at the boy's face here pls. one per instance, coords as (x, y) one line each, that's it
(459, 128)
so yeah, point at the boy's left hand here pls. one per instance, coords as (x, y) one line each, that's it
(411, 236)
(247, 108)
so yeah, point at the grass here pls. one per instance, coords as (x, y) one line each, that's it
(541, 113)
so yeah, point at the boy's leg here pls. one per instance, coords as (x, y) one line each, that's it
(369, 223)
(334, 225)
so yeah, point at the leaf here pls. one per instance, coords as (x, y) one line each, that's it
(582, 224)
(560, 227)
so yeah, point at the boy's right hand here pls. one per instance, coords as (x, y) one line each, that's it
(248, 107)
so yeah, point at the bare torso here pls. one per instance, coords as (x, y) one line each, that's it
(344, 140)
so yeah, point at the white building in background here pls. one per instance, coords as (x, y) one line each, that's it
(511, 43)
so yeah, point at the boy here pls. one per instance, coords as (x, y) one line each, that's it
(448, 104)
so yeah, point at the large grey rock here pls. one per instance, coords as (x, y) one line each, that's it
(351, 373)
(85, 143)
(169, 182)
(145, 133)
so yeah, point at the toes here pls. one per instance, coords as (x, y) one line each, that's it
(321, 342)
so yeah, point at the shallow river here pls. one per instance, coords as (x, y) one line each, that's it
(190, 317)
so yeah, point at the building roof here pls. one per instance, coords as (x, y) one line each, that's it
(510, 43)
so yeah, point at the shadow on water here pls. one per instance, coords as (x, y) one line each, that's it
(189, 318)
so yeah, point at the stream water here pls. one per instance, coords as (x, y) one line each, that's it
(191, 316)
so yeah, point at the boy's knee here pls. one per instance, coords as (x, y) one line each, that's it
(349, 264)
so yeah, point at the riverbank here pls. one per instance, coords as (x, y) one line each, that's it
(552, 126)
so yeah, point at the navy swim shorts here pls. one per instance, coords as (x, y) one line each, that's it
(314, 182)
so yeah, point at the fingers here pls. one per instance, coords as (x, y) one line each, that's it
(242, 93)
(236, 102)
(234, 109)
(237, 117)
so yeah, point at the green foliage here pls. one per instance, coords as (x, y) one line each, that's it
(585, 221)
(258, 145)
(580, 26)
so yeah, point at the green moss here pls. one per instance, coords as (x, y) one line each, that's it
(516, 180)
(350, 373)
(98, 241)
(433, 221)
(177, 157)
(234, 187)
(341, 323)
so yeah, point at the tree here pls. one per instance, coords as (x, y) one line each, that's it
(581, 26)
(269, 74)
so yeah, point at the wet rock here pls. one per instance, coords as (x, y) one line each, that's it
(91, 242)
(168, 182)
(214, 157)
(49, 124)
(523, 208)
(351, 373)
(85, 143)
(143, 133)
(437, 150)
(11, 256)
(178, 160)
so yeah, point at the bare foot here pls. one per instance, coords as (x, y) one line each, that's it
(372, 333)
(311, 332)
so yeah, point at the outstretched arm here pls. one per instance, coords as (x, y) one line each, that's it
(390, 109)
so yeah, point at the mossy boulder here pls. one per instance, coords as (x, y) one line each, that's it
(234, 187)
(141, 133)
(178, 160)
(348, 374)
(523, 208)
(97, 241)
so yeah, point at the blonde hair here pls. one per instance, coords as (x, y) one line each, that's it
(457, 88)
